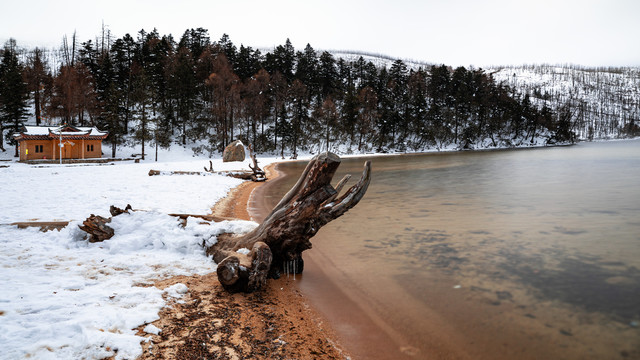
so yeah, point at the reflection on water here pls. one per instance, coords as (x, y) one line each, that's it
(517, 254)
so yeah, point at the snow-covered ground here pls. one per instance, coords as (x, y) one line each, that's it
(65, 298)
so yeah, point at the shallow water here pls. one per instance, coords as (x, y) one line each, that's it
(525, 254)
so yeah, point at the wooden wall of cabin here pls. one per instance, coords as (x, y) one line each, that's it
(44, 149)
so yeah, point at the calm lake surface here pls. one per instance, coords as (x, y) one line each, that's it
(519, 254)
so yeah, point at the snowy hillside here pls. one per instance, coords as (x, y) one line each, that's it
(603, 102)
(379, 60)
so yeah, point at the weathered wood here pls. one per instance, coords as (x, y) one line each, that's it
(174, 172)
(259, 174)
(97, 228)
(43, 225)
(115, 211)
(309, 205)
(238, 174)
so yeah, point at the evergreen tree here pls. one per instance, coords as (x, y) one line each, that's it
(278, 90)
(299, 114)
(248, 62)
(283, 129)
(417, 110)
(397, 86)
(142, 97)
(111, 103)
(13, 94)
(282, 60)
(228, 48)
(461, 98)
(36, 75)
(123, 53)
(196, 40)
(439, 114)
(367, 116)
(183, 89)
(386, 104)
(327, 75)
(307, 70)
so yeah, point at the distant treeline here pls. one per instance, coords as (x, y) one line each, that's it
(155, 90)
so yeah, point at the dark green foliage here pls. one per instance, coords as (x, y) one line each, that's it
(13, 94)
(155, 90)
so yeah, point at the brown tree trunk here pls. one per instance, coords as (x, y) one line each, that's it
(277, 244)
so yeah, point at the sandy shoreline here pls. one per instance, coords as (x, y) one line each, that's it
(275, 323)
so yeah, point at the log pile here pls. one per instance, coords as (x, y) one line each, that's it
(96, 225)
(97, 228)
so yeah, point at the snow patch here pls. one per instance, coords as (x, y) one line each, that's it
(177, 290)
(152, 329)
(243, 251)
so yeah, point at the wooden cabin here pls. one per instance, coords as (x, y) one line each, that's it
(55, 142)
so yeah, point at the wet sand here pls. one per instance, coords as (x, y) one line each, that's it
(208, 322)
(355, 327)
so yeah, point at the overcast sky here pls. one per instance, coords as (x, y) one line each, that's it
(453, 32)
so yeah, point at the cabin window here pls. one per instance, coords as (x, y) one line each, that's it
(89, 147)
(39, 148)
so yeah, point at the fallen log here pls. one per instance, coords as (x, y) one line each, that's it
(175, 172)
(238, 174)
(43, 225)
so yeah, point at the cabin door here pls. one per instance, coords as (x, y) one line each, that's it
(68, 151)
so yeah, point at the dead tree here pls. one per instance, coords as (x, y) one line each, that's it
(258, 173)
(277, 244)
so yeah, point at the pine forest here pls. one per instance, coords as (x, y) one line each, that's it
(151, 89)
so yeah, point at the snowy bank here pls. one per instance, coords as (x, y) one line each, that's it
(65, 298)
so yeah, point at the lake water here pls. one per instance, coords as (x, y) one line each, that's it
(519, 254)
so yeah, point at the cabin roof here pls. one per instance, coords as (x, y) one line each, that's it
(64, 131)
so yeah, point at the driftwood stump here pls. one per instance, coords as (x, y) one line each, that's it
(277, 244)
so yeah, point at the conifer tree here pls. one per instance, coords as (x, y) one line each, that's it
(397, 85)
(299, 114)
(327, 75)
(367, 115)
(36, 75)
(307, 70)
(142, 97)
(13, 94)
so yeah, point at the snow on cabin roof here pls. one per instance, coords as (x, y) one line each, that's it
(64, 130)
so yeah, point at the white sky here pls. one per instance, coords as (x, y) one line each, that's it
(453, 32)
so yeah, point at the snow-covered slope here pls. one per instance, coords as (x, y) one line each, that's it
(603, 102)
